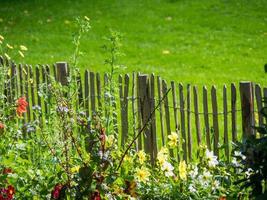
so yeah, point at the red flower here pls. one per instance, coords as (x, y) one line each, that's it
(56, 192)
(7, 193)
(2, 126)
(21, 106)
(10, 191)
(7, 171)
(96, 196)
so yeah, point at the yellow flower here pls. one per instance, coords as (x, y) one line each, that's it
(162, 155)
(182, 170)
(74, 169)
(9, 46)
(21, 54)
(173, 139)
(142, 156)
(86, 18)
(7, 56)
(1, 37)
(128, 159)
(142, 174)
(23, 48)
(109, 141)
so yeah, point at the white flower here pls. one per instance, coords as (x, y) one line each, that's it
(194, 172)
(192, 189)
(167, 168)
(235, 162)
(205, 178)
(249, 172)
(239, 154)
(215, 185)
(206, 174)
(211, 158)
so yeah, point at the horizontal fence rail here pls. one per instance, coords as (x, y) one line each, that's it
(199, 115)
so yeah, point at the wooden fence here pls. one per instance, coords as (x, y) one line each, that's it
(200, 116)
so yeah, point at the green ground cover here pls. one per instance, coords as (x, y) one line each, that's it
(199, 42)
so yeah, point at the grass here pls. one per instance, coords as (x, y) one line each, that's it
(199, 42)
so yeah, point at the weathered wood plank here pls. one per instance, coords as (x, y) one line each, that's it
(233, 112)
(144, 99)
(197, 120)
(167, 111)
(189, 133)
(92, 92)
(225, 117)
(32, 85)
(247, 105)
(182, 113)
(153, 118)
(86, 92)
(258, 95)
(175, 113)
(206, 117)
(98, 90)
(215, 120)
(161, 110)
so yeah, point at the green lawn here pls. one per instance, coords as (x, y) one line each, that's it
(199, 42)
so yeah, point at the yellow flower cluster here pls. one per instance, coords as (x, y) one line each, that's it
(142, 174)
(182, 170)
(173, 139)
(110, 139)
(163, 155)
(141, 156)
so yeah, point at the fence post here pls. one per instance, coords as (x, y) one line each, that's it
(144, 103)
(62, 72)
(247, 106)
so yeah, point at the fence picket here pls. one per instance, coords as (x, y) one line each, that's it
(92, 92)
(144, 97)
(206, 116)
(167, 111)
(32, 92)
(258, 95)
(133, 107)
(27, 90)
(161, 110)
(98, 90)
(215, 120)
(225, 114)
(233, 112)
(153, 118)
(197, 120)
(183, 129)
(189, 133)
(175, 113)
(86, 92)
